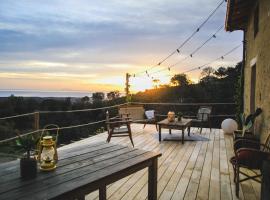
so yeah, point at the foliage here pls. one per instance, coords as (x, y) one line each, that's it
(246, 125)
(247, 122)
(27, 143)
(113, 95)
(180, 80)
(98, 96)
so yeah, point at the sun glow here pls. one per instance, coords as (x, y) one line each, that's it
(143, 83)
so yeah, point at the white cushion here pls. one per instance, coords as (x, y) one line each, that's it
(150, 114)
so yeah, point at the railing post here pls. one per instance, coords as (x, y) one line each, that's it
(107, 120)
(36, 121)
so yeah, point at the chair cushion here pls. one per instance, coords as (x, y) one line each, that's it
(252, 159)
(150, 114)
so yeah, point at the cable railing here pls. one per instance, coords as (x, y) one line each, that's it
(144, 104)
(37, 120)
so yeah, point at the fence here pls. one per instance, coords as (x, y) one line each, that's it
(219, 112)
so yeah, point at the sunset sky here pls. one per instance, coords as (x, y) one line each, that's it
(90, 45)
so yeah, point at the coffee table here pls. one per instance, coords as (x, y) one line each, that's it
(177, 125)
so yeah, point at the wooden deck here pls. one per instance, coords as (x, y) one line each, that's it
(194, 170)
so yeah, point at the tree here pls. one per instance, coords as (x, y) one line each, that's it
(156, 82)
(221, 72)
(85, 99)
(180, 80)
(207, 75)
(113, 95)
(98, 96)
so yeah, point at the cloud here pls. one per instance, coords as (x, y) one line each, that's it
(105, 38)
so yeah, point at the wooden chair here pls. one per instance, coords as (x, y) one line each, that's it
(202, 118)
(118, 127)
(249, 155)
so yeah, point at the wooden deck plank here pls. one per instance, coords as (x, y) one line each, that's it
(184, 180)
(203, 190)
(141, 141)
(142, 194)
(214, 190)
(192, 189)
(120, 192)
(230, 153)
(140, 189)
(225, 183)
(196, 170)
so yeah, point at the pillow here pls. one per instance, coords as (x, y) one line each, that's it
(150, 114)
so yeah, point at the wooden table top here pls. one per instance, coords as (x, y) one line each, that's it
(183, 122)
(79, 171)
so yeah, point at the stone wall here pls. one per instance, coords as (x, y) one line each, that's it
(258, 52)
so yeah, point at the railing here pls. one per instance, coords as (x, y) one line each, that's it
(220, 111)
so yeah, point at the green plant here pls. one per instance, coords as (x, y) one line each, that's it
(247, 122)
(26, 143)
(179, 114)
(245, 125)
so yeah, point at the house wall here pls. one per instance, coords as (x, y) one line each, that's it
(258, 52)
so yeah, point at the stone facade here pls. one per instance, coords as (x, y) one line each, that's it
(258, 55)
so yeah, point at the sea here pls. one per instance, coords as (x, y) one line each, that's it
(36, 93)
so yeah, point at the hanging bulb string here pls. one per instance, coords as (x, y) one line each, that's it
(193, 52)
(207, 64)
(187, 40)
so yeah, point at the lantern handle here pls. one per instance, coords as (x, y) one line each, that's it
(50, 127)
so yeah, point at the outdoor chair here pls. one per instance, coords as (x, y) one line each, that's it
(202, 118)
(249, 155)
(150, 118)
(118, 127)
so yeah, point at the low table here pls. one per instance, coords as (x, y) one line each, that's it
(178, 125)
(80, 171)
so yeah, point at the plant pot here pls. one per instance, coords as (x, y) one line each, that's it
(28, 168)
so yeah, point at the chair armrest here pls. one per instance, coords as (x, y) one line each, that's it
(120, 122)
(246, 143)
(251, 157)
(190, 116)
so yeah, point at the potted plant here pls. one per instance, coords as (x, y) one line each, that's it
(28, 164)
(246, 123)
(179, 115)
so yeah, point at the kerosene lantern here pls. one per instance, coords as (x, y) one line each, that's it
(47, 154)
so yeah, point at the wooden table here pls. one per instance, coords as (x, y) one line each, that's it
(79, 172)
(178, 125)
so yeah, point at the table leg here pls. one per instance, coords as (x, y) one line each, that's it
(152, 180)
(159, 132)
(183, 134)
(170, 131)
(102, 193)
(188, 130)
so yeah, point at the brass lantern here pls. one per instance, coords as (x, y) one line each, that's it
(47, 154)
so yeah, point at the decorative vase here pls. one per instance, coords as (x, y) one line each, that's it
(28, 168)
(171, 116)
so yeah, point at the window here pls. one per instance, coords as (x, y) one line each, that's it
(256, 20)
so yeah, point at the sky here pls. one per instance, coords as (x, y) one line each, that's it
(83, 45)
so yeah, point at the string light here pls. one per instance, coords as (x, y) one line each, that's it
(193, 52)
(188, 39)
(207, 64)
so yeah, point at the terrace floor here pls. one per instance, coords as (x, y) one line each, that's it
(197, 169)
